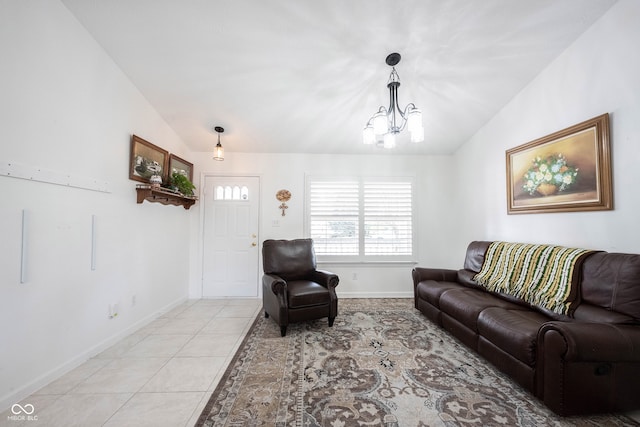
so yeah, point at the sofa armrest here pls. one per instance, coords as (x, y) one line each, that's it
(325, 278)
(420, 274)
(588, 367)
(593, 342)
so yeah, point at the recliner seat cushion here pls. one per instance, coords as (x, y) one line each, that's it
(513, 331)
(305, 293)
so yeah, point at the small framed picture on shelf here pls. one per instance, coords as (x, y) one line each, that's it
(181, 166)
(146, 160)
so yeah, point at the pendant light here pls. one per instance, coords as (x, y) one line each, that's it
(218, 150)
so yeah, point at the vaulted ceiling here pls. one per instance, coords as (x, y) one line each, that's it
(302, 76)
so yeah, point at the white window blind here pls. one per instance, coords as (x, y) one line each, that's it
(361, 218)
(334, 217)
(387, 218)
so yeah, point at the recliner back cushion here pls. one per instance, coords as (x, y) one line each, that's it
(289, 259)
(475, 255)
(612, 281)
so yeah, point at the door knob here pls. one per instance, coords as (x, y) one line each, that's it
(253, 244)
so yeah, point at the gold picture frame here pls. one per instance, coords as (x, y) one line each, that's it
(567, 171)
(146, 159)
(177, 164)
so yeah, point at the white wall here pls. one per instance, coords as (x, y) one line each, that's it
(599, 73)
(66, 107)
(288, 171)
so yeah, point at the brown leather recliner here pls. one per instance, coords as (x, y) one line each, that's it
(293, 290)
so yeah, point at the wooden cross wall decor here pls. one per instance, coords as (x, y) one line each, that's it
(283, 206)
(283, 196)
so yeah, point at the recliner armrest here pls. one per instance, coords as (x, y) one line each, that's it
(420, 274)
(325, 278)
(276, 283)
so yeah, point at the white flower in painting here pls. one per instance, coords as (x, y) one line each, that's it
(550, 170)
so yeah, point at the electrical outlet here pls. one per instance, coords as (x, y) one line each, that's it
(134, 300)
(354, 276)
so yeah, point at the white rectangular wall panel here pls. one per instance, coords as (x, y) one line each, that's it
(25, 239)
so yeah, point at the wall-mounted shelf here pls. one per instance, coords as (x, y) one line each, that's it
(160, 195)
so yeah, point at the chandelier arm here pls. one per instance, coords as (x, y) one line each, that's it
(403, 113)
(382, 109)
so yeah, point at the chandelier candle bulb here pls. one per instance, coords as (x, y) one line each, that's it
(389, 140)
(380, 123)
(414, 122)
(368, 136)
(417, 135)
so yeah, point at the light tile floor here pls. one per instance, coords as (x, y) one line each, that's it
(162, 375)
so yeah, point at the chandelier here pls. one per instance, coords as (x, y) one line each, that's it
(384, 125)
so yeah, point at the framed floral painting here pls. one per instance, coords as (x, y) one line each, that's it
(569, 170)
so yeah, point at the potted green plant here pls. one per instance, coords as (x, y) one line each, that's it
(182, 184)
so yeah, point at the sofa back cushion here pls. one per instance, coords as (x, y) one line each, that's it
(612, 281)
(475, 255)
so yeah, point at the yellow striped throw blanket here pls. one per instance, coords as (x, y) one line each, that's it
(541, 275)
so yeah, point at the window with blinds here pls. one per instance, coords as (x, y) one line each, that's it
(361, 219)
(334, 217)
(387, 218)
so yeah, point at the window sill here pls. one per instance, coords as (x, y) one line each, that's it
(368, 263)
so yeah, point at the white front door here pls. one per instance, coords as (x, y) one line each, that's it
(231, 247)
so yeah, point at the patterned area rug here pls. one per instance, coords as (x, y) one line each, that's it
(381, 364)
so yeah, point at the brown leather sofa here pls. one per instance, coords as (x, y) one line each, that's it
(293, 290)
(584, 364)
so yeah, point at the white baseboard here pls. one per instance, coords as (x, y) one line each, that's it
(23, 392)
(375, 294)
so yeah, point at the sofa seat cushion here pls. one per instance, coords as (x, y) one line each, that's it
(465, 305)
(305, 293)
(431, 290)
(513, 331)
